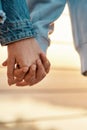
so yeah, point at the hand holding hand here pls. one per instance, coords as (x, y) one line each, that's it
(22, 55)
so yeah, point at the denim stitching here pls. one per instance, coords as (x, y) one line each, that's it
(13, 31)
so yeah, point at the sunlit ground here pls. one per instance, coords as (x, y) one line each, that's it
(59, 102)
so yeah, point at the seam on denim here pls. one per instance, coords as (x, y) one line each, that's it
(6, 26)
(18, 22)
(22, 28)
(10, 32)
(6, 40)
(15, 32)
(5, 44)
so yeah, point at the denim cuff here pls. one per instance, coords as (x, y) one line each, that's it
(43, 42)
(15, 31)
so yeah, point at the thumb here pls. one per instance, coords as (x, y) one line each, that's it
(4, 63)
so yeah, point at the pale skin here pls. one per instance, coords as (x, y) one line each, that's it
(26, 64)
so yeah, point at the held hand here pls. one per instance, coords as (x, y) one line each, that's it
(25, 54)
(36, 72)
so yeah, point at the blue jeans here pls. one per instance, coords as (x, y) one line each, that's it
(34, 20)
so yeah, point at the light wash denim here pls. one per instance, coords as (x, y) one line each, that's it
(44, 12)
(35, 21)
(18, 24)
(2, 14)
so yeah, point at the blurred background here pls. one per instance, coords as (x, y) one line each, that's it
(56, 103)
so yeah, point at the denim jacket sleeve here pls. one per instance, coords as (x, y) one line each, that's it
(2, 14)
(43, 14)
(17, 25)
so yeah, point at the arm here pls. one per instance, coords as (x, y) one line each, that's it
(43, 14)
(79, 29)
(16, 27)
(18, 30)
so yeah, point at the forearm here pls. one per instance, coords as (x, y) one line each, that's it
(18, 25)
